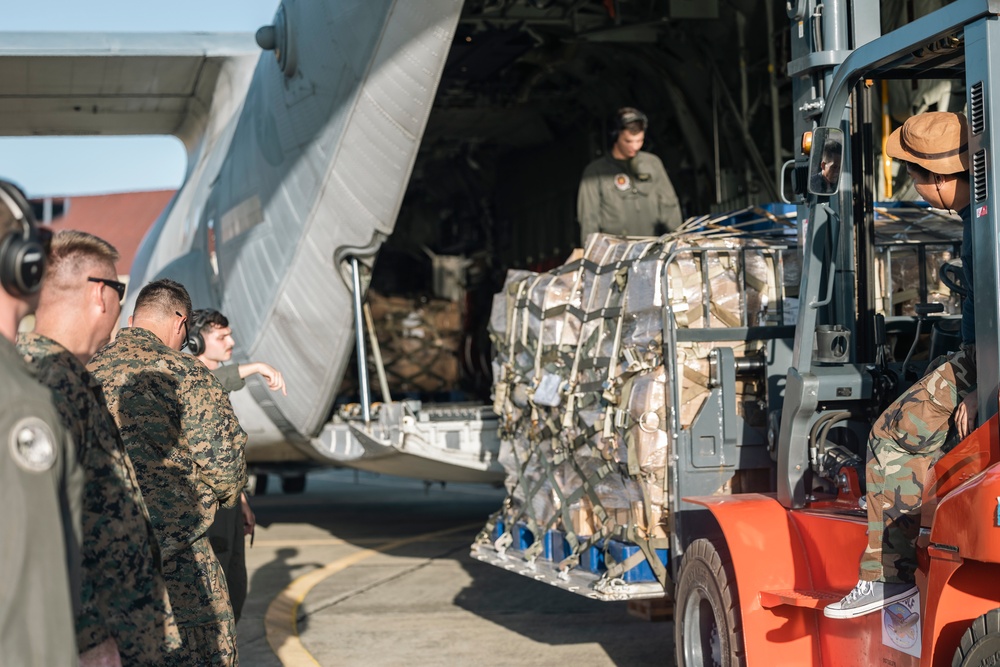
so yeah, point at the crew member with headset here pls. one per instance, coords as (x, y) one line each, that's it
(210, 340)
(627, 191)
(41, 483)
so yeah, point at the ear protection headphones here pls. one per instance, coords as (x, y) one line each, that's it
(626, 116)
(22, 255)
(195, 341)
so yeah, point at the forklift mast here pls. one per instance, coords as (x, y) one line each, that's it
(958, 41)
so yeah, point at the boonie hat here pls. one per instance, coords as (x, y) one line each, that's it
(937, 140)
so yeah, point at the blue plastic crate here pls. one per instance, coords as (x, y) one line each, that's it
(556, 547)
(523, 538)
(752, 221)
(498, 529)
(619, 551)
(592, 559)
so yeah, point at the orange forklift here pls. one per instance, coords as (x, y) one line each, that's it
(753, 579)
(763, 502)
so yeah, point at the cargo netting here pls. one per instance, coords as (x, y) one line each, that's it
(581, 379)
(591, 382)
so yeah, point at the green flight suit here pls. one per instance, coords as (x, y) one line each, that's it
(627, 198)
(226, 533)
(187, 448)
(41, 486)
(124, 596)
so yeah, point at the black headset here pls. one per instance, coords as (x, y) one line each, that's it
(625, 116)
(22, 255)
(195, 341)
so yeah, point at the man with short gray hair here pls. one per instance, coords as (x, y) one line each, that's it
(125, 613)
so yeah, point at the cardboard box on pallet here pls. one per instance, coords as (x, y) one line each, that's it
(582, 385)
(591, 375)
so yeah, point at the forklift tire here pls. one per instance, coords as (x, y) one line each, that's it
(980, 644)
(293, 484)
(707, 627)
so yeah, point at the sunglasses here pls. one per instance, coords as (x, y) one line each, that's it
(113, 284)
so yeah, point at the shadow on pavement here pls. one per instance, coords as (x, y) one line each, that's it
(445, 582)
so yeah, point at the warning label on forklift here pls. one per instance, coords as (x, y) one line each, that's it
(901, 625)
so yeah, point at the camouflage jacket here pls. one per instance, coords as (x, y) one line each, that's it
(123, 594)
(187, 448)
(40, 491)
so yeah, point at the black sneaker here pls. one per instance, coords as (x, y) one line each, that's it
(868, 596)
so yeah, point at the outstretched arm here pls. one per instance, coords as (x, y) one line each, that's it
(271, 375)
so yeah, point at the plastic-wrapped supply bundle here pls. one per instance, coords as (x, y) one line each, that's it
(583, 386)
(902, 276)
(911, 245)
(419, 339)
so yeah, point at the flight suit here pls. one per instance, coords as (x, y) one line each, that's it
(226, 533)
(229, 376)
(123, 596)
(41, 485)
(187, 449)
(627, 198)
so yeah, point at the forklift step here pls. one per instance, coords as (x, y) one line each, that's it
(798, 598)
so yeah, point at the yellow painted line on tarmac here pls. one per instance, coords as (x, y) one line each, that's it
(280, 620)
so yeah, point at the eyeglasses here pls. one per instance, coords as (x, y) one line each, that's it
(184, 321)
(113, 284)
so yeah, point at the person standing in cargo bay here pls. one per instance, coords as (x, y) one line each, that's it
(187, 448)
(910, 435)
(627, 191)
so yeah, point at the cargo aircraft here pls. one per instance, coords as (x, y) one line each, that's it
(363, 143)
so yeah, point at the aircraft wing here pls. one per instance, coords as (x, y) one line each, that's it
(112, 84)
(298, 158)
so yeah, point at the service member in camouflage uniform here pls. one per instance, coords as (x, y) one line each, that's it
(41, 483)
(210, 339)
(187, 449)
(909, 436)
(627, 191)
(126, 610)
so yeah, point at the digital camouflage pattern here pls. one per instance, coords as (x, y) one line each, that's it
(123, 593)
(40, 524)
(905, 443)
(187, 448)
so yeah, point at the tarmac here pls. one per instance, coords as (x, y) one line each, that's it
(371, 570)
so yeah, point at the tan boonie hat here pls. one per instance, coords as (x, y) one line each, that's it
(937, 140)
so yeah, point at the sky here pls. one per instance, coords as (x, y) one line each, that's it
(94, 165)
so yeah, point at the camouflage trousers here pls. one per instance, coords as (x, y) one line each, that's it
(211, 644)
(906, 441)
